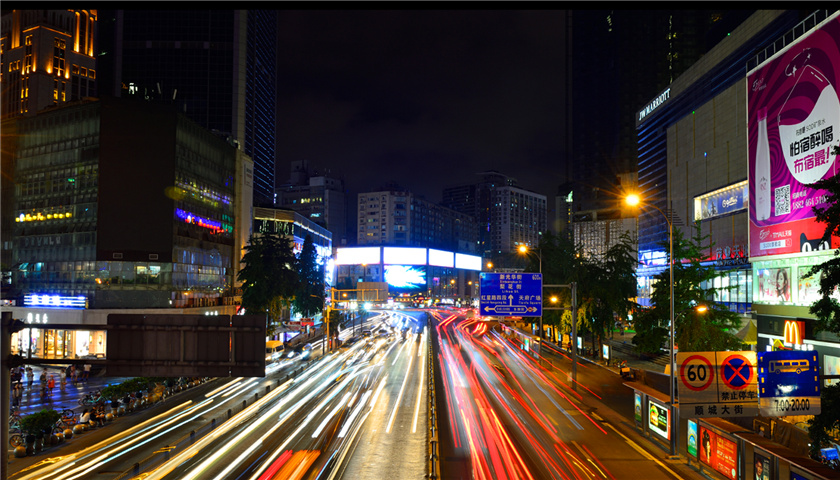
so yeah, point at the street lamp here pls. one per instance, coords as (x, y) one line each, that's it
(634, 200)
(524, 250)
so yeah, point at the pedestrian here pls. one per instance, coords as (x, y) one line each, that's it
(73, 375)
(17, 394)
(50, 384)
(30, 377)
(87, 371)
(42, 381)
(85, 418)
(63, 378)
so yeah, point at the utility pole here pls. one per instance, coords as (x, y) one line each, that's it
(573, 287)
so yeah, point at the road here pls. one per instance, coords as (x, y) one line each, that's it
(354, 413)
(507, 417)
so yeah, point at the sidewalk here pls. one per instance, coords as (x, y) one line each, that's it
(31, 401)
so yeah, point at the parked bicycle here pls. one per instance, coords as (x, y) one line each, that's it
(68, 420)
(91, 399)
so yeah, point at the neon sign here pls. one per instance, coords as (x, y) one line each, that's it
(794, 331)
(35, 300)
(189, 217)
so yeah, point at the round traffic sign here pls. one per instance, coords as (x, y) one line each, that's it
(736, 371)
(697, 373)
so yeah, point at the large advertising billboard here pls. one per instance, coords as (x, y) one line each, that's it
(405, 278)
(793, 125)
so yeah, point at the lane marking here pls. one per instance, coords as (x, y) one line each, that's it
(644, 452)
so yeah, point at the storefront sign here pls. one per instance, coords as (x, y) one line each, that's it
(794, 332)
(655, 103)
(793, 125)
(719, 453)
(721, 202)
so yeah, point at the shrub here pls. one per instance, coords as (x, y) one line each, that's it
(39, 424)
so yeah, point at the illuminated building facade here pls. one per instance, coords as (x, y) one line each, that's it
(47, 58)
(415, 275)
(125, 204)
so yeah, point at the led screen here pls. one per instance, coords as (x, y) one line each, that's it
(357, 256)
(467, 262)
(439, 258)
(405, 278)
(404, 256)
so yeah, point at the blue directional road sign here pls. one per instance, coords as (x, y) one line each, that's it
(789, 383)
(511, 294)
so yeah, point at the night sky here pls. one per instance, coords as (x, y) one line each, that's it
(425, 99)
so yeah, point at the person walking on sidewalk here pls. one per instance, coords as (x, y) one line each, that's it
(87, 372)
(50, 384)
(17, 393)
(30, 377)
(63, 377)
(42, 381)
(73, 375)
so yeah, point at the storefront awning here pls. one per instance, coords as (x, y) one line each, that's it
(749, 334)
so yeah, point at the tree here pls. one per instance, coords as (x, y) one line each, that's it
(712, 330)
(269, 277)
(827, 311)
(309, 297)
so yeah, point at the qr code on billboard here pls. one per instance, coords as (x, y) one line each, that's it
(783, 200)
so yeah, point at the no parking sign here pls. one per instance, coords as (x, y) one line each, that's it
(717, 384)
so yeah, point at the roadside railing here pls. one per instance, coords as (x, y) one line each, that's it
(433, 431)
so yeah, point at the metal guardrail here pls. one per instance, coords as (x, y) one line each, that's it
(433, 432)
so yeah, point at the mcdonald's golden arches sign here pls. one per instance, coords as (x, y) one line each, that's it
(794, 331)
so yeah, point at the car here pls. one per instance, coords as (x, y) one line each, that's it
(382, 332)
(273, 350)
(366, 333)
(301, 351)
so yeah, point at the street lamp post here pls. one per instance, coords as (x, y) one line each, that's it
(634, 200)
(538, 253)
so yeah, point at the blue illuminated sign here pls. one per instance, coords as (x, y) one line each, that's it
(511, 294)
(789, 383)
(38, 300)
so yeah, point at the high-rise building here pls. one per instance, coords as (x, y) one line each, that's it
(319, 198)
(507, 215)
(397, 217)
(104, 215)
(607, 66)
(47, 58)
(218, 67)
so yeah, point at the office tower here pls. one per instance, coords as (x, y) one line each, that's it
(218, 67)
(319, 198)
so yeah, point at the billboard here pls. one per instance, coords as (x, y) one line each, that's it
(405, 278)
(440, 258)
(357, 256)
(793, 124)
(659, 420)
(404, 256)
(773, 285)
(719, 453)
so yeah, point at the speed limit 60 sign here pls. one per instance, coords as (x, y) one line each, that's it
(697, 373)
(717, 384)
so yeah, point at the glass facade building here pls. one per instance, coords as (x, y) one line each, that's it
(126, 204)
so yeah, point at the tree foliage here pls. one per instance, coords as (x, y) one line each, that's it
(309, 298)
(827, 312)
(605, 285)
(269, 277)
(827, 308)
(712, 330)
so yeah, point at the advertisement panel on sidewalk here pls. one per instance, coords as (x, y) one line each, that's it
(659, 420)
(719, 453)
(637, 409)
(761, 468)
(691, 443)
(793, 124)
